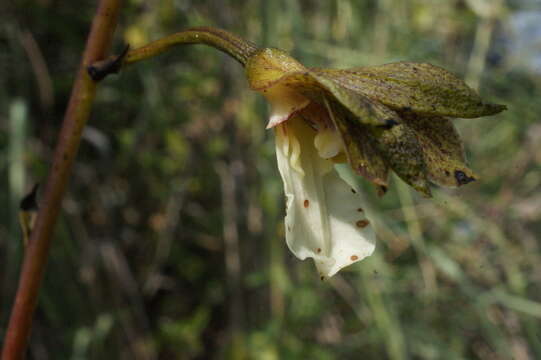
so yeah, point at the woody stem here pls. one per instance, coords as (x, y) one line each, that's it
(78, 110)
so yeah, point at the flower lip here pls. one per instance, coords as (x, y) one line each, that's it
(323, 220)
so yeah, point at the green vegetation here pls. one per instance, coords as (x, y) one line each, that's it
(171, 241)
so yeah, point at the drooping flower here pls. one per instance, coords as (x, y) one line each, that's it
(378, 118)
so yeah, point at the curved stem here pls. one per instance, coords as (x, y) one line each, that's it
(232, 45)
(77, 113)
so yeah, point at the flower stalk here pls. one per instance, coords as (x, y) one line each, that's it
(236, 47)
(77, 113)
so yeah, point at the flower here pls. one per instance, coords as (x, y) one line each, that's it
(393, 116)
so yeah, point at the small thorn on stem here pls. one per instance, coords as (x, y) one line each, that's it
(30, 202)
(28, 209)
(112, 65)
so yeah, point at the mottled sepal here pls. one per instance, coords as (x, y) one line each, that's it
(417, 87)
(402, 152)
(362, 155)
(366, 110)
(442, 150)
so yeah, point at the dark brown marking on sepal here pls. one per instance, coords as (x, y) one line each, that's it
(462, 178)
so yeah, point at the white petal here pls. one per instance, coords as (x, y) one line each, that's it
(284, 103)
(324, 220)
(328, 143)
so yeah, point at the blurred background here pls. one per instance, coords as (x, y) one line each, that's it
(170, 244)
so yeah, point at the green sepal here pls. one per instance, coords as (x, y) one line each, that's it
(442, 150)
(403, 154)
(416, 87)
(360, 148)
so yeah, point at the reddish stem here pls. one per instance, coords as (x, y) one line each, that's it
(77, 113)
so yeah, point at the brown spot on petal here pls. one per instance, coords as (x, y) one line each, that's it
(318, 250)
(354, 257)
(306, 203)
(362, 223)
(322, 278)
(353, 191)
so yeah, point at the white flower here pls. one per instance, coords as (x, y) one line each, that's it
(395, 116)
(378, 118)
(324, 216)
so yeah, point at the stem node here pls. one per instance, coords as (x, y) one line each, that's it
(112, 65)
